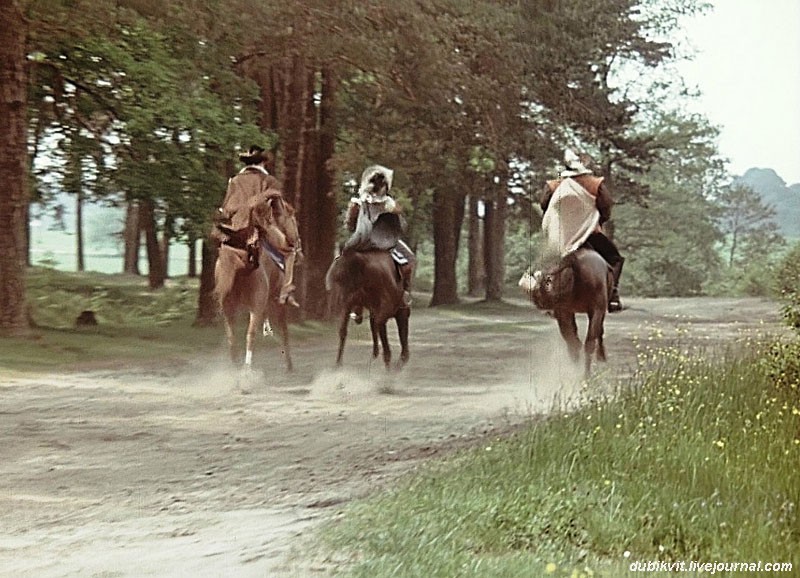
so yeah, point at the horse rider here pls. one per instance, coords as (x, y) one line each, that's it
(375, 221)
(233, 217)
(576, 206)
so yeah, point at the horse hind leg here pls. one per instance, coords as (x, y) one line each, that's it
(569, 331)
(594, 338)
(373, 329)
(256, 322)
(601, 349)
(387, 352)
(283, 325)
(278, 313)
(342, 336)
(402, 331)
(228, 319)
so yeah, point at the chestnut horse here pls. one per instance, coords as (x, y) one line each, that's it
(581, 283)
(254, 284)
(369, 280)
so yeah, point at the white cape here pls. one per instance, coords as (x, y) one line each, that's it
(570, 218)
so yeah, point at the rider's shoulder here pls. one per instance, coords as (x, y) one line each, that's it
(553, 184)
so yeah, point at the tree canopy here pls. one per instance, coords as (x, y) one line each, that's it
(146, 103)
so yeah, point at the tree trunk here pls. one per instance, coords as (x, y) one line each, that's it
(27, 240)
(166, 239)
(132, 239)
(206, 301)
(155, 269)
(307, 136)
(476, 275)
(13, 170)
(494, 245)
(294, 106)
(732, 252)
(191, 269)
(79, 244)
(448, 216)
(319, 224)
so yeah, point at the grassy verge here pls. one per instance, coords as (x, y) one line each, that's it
(694, 461)
(135, 324)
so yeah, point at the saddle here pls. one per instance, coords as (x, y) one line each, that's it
(240, 240)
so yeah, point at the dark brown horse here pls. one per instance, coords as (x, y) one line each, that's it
(369, 280)
(580, 283)
(249, 279)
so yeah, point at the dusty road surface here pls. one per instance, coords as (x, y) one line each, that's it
(190, 470)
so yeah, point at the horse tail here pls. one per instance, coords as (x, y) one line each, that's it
(343, 276)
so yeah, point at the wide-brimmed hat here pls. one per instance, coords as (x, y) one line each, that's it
(575, 166)
(254, 155)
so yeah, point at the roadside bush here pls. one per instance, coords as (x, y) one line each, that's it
(783, 366)
(788, 286)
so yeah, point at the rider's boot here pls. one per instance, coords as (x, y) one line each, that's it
(614, 303)
(288, 287)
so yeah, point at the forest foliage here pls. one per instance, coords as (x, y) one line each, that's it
(144, 105)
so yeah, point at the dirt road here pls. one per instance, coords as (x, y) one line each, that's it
(191, 470)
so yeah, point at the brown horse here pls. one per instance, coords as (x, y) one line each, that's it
(248, 278)
(581, 283)
(369, 280)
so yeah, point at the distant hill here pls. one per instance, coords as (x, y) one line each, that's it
(775, 193)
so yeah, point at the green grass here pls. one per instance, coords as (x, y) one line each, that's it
(57, 298)
(135, 324)
(695, 460)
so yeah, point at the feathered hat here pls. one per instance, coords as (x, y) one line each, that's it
(575, 166)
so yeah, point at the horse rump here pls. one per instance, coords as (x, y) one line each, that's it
(548, 288)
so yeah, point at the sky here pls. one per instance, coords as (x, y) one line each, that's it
(748, 68)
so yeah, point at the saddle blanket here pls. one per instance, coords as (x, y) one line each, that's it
(276, 256)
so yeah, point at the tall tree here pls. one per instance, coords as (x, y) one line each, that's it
(669, 241)
(748, 224)
(13, 169)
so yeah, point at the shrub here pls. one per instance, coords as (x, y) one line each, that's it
(788, 286)
(783, 366)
